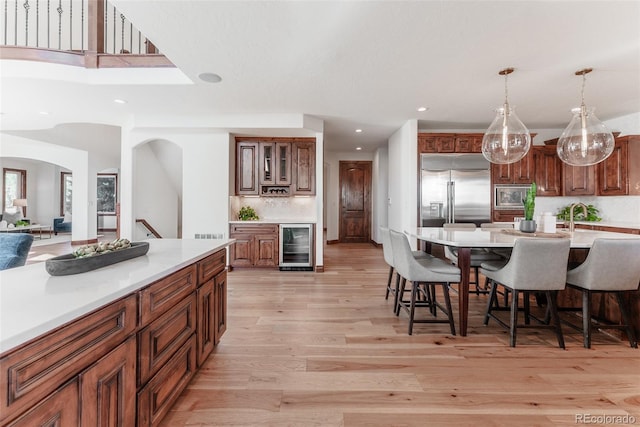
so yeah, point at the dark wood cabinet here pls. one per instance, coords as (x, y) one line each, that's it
(256, 245)
(579, 180)
(471, 143)
(275, 166)
(617, 175)
(612, 172)
(520, 172)
(304, 165)
(436, 143)
(548, 170)
(247, 168)
(275, 163)
(220, 312)
(62, 407)
(107, 386)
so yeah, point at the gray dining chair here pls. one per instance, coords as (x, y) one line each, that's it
(535, 265)
(387, 252)
(611, 266)
(478, 255)
(423, 274)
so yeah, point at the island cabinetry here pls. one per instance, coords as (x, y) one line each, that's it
(36, 370)
(211, 298)
(548, 170)
(62, 407)
(166, 293)
(256, 245)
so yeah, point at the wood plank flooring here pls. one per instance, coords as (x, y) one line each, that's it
(307, 349)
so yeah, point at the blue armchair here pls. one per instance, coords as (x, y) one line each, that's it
(14, 249)
(60, 226)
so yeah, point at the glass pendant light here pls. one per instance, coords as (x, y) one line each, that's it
(586, 141)
(507, 140)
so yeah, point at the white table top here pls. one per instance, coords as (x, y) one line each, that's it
(488, 238)
(32, 302)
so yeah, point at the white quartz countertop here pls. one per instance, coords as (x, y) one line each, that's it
(278, 221)
(32, 302)
(631, 225)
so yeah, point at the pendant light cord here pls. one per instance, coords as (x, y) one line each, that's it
(584, 82)
(506, 89)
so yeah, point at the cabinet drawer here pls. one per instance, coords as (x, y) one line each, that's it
(164, 294)
(157, 397)
(61, 407)
(34, 371)
(158, 341)
(211, 265)
(255, 228)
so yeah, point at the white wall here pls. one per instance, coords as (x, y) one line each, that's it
(332, 161)
(205, 183)
(380, 193)
(403, 181)
(155, 197)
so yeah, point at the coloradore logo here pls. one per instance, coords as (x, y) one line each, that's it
(605, 419)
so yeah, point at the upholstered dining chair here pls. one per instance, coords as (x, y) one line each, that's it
(14, 249)
(423, 274)
(478, 255)
(611, 266)
(535, 265)
(387, 251)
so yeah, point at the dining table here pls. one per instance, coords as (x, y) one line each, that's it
(465, 240)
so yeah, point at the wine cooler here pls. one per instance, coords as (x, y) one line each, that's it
(296, 247)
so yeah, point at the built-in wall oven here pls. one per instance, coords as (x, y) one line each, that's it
(296, 247)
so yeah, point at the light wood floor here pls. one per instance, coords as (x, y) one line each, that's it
(306, 349)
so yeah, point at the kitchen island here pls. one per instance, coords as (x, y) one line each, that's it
(119, 342)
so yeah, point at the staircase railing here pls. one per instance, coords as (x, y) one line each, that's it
(150, 229)
(89, 33)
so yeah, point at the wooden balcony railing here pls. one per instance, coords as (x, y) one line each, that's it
(86, 33)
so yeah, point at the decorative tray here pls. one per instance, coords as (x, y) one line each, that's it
(65, 265)
(560, 234)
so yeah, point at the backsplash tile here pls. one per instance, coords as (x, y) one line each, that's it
(277, 208)
(612, 208)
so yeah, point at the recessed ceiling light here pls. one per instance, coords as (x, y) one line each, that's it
(119, 101)
(421, 109)
(44, 113)
(358, 130)
(210, 77)
(358, 148)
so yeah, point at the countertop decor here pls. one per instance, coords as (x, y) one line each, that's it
(65, 265)
(578, 215)
(247, 213)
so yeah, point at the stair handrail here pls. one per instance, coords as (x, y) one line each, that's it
(148, 226)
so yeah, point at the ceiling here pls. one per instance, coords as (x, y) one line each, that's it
(355, 64)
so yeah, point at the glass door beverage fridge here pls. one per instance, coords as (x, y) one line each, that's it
(296, 247)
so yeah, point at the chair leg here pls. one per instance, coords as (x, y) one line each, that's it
(412, 308)
(389, 282)
(552, 301)
(399, 294)
(477, 279)
(492, 298)
(586, 318)
(514, 319)
(627, 320)
(525, 301)
(433, 307)
(447, 301)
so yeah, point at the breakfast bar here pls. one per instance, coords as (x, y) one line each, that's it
(465, 240)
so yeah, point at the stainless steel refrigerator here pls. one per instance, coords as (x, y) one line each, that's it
(454, 188)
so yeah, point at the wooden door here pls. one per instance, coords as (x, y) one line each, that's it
(355, 202)
(220, 305)
(579, 180)
(612, 172)
(266, 250)
(304, 168)
(548, 170)
(247, 168)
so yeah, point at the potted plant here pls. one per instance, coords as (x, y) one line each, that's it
(528, 225)
(247, 213)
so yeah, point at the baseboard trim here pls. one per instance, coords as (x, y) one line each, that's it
(332, 242)
(83, 242)
(376, 244)
(319, 268)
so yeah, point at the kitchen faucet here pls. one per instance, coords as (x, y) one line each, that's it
(571, 221)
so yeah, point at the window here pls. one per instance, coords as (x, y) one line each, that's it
(66, 180)
(15, 186)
